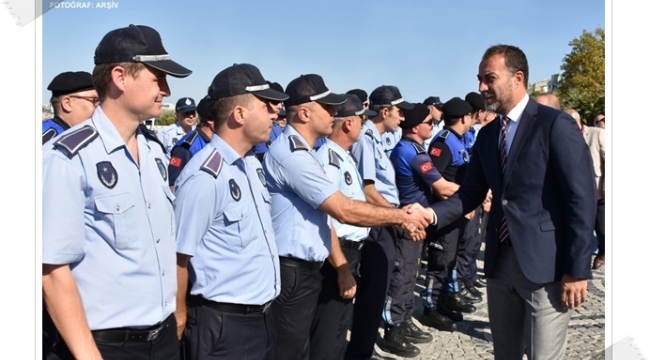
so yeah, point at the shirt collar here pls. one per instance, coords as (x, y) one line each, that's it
(336, 148)
(110, 137)
(518, 110)
(228, 154)
(290, 130)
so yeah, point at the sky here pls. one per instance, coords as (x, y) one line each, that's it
(423, 47)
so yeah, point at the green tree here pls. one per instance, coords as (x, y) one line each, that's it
(583, 83)
(166, 118)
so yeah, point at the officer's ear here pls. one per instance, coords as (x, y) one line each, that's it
(304, 113)
(239, 114)
(66, 104)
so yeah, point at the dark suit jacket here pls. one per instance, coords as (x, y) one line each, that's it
(547, 195)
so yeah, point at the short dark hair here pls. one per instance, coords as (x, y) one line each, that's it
(220, 109)
(515, 58)
(101, 76)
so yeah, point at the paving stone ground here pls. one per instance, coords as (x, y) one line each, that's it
(586, 335)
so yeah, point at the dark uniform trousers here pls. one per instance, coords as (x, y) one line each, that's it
(400, 300)
(600, 226)
(333, 316)
(468, 250)
(293, 311)
(164, 347)
(443, 248)
(375, 271)
(212, 333)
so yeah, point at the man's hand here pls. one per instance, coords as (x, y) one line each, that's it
(418, 215)
(181, 319)
(347, 284)
(574, 292)
(470, 215)
(487, 203)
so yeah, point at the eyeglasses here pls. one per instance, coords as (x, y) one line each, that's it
(430, 122)
(93, 99)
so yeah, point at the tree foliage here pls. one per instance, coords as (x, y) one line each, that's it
(583, 83)
(166, 118)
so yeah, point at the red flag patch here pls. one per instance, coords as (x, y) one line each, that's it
(175, 161)
(424, 168)
(435, 152)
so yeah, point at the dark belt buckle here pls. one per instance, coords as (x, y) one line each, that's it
(266, 307)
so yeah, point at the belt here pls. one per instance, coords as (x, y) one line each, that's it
(300, 263)
(349, 244)
(121, 335)
(235, 308)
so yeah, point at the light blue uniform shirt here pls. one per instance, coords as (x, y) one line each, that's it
(342, 170)
(223, 217)
(390, 139)
(112, 220)
(298, 185)
(170, 135)
(374, 164)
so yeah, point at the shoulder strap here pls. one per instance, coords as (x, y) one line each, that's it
(296, 144)
(212, 165)
(76, 140)
(334, 159)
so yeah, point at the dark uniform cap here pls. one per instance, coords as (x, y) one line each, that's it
(476, 100)
(240, 79)
(137, 43)
(433, 100)
(389, 95)
(70, 82)
(362, 95)
(415, 116)
(311, 87)
(185, 104)
(203, 108)
(456, 108)
(275, 86)
(351, 107)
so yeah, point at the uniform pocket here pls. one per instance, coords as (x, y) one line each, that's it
(118, 211)
(238, 226)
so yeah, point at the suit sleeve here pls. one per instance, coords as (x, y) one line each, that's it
(571, 160)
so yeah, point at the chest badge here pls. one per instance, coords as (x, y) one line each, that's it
(260, 175)
(235, 191)
(107, 174)
(348, 178)
(161, 168)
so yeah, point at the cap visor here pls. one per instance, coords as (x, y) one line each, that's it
(186, 108)
(332, 99)
(271, 94)
(169, 67)
(405, 105)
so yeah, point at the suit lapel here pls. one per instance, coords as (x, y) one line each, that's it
(528, 118)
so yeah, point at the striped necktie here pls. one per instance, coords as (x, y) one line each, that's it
(503, 229)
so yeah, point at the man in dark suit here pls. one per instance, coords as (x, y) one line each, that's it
(540, 233)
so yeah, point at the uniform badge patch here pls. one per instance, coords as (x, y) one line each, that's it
(427, 166)
(235, 191)
(107, 174)
(162, 169)
(387, 141)
(435, 152)
(260, 174)
(174, 141)
(175, 161)
(348, 178)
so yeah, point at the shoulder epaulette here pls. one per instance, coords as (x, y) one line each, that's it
(369, 133)
(296, 144)
(149, 134)
(77, 139)
(444, 134)
(190, 139)
(418, 148)
(212, 165)
(50, 133)
(334, 159)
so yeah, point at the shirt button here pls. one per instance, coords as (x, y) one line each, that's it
(157, 241)
(165, 303)
(163, 273)
(504, 202)
(148, 205)
(117, 208)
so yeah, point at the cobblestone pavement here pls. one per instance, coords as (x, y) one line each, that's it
(586, 335)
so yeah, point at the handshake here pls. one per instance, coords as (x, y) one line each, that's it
(416, 220)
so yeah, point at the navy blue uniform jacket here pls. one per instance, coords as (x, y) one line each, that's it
(547, 195)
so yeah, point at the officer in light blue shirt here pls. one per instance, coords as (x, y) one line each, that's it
(74, 100)
(225, 238)
(390, 139)
(333, 315)
(185, 114)
(109, 265)
(302, 198)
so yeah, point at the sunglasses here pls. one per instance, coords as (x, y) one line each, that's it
(92, 99)
(189, 113)
(430, 122)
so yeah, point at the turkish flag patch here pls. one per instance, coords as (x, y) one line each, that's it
(424, 168)
(435, 152)
(175, 161)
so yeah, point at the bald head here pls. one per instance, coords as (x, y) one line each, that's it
(549, 100)
(575, 115)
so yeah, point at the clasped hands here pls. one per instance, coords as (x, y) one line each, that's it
(417, 220)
